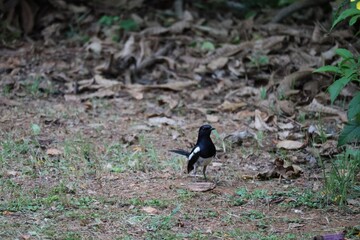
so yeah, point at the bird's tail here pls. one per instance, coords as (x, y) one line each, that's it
(181, 152)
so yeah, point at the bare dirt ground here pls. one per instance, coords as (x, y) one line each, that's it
(84, 141)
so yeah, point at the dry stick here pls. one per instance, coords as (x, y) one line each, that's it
(179, 8)
(8, 5)
(296, 6)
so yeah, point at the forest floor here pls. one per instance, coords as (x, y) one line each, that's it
(84, 141)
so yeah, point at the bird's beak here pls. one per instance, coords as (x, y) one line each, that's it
(213, 128)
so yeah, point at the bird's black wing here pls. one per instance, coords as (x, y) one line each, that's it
(193, 157)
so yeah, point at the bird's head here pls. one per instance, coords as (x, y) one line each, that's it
(205, 130)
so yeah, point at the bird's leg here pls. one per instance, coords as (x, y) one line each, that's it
(195, 170)
(204, 172)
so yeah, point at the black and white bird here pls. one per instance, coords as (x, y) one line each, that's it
(202, 153)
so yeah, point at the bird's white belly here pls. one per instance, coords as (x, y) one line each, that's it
(203, 161)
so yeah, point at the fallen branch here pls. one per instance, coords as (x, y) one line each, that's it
(296, 6)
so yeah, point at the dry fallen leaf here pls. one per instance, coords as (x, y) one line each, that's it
(201, 186)
(218, 63)
(289, 144)
(7, 213)
(103, 82)
(135, 93)
(230, 106)
(281, 168)
(128, 48)
(295, 225)
(162, 120)
(245, 114)
(285, 126)
(212, 118)
(8, 102)
(53, 152)
(94, 47)
(12, 173)
(315, 106)
(238, 136)
(25, 236)
(200, 94)
(329, 148)
(150, 210)
(169, 100)
(286, 107)
(289, 81)
(283, 135)
(175, 86)
(260, 123)
(98, 94)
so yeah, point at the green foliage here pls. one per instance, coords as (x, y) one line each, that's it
(162, 222)
(207, 46)
(354, 108)
(258, 60)
(306, 198)
(36, 129)
(346, 71)
(340, 182)
(352, 12)
(126, 24)
(347, 9)
(350, 132)
(108, 20)
(244, 196)
(143, 157)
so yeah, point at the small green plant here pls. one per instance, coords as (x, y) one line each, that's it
(72, 236)
(142, 157)
(341, 182)
(34, 86)
(244, 196)
(185, 194)
(258, 60)
(253, 215)
(6, 90)
(260, 137)
(108, 20)
(281, 95)
(36, 129)
(157, 203)
(38, 86)
(322, 136)
(307, 198)
(263, 94)
(207, 46)
(301, 117)
(161, 222)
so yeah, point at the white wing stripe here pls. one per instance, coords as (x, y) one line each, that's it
(196, 150)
